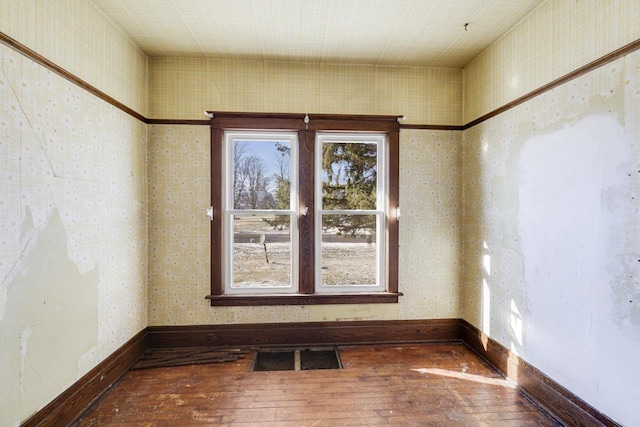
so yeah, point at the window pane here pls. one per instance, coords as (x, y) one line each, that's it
(349, 175)
(261, 174)
(349, 250)
(261, 251)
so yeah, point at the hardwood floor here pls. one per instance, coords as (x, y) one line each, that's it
(443, 384)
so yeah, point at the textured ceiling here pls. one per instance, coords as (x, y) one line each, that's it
(380, 32)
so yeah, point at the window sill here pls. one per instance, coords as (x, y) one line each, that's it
(303, 299)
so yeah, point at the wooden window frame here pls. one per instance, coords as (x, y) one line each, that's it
(306, 127)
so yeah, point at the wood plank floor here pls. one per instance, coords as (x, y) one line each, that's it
(443, 384)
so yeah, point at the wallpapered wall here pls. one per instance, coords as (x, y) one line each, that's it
(557, 38)
(184, 88)
(75, 35)
(179, 250)
(73, 241)
(551, 242)
(178, 178)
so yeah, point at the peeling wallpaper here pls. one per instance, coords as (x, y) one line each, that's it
(73, 240)
(552, 237)
(179, 234)
(183, 88)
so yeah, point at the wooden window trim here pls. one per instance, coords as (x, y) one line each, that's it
(304, 299)
(225, 121)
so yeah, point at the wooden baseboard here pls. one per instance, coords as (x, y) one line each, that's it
(306, 333)
(556, 399)
(72, 403)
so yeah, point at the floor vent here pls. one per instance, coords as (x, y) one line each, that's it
(297, 360)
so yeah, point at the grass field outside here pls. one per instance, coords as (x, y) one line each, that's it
(345, 261)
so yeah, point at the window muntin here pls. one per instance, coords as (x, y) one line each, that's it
(260, 219)
(351, 212)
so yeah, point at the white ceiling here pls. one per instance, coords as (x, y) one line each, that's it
(381, 32)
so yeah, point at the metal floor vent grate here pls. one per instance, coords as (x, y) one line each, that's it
(297, 359)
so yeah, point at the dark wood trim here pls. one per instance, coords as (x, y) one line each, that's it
(306, 333)
(254, 115)
(223, 121)
(362, 117)
(393, 240)
(296, 121)
(300, 116)
(616, 54)
(69, 406)
(353, 124)
(256, 123)
(189, 122)
(303, 299)
(306, 223)
(556, 399)
(217, 269)
(433, 127)
(36, 57)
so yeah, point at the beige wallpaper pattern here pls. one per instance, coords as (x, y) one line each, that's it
(179, 188)
(184, 88)
(77, 36)
(431, 202)
(557, 38)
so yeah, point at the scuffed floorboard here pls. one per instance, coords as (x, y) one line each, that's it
(164, 357)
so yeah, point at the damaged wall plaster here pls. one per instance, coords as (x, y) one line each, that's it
(72, 233)
(552, 235)
(51, 320)
(573, 187)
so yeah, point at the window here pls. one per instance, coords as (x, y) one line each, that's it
(350, 188)
(260, 220)
(304, 209)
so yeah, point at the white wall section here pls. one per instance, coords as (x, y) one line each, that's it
(572, 186)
